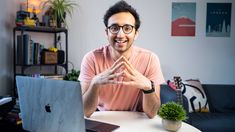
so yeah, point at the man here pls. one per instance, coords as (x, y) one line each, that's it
(121, 76)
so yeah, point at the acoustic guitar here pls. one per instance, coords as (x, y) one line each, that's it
(178, 84)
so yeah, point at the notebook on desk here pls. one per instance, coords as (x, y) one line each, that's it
(48, 105)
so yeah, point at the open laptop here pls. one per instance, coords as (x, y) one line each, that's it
(48, 105)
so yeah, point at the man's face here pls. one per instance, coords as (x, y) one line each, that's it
(121, 41)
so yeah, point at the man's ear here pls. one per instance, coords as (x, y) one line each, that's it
(136, 34)
(107, 34)
(106, 31)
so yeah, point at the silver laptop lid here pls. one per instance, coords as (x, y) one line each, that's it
(50, 105)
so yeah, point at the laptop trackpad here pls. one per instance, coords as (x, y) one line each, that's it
(96, 126)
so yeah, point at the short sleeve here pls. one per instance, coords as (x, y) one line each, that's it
(87, 71)
(155, 72)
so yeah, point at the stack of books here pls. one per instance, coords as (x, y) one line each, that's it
(6, 104)
(28, 52)
(13, 116)
(9, 110)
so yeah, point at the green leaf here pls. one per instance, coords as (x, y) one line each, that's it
(72, 76)
(60, 7)
(172, 111)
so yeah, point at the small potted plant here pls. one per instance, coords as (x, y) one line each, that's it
(172, 115)
(59, 9)
(72, 76)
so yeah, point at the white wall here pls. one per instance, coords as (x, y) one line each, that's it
(211, 59)
(7, 9)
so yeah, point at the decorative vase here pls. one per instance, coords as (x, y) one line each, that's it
(171, 125)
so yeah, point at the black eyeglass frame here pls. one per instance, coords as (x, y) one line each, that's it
(132, 27)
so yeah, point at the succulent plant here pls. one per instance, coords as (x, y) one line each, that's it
(172, 111)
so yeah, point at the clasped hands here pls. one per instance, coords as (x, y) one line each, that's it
(122, 68)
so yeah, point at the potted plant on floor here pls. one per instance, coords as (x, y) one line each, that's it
(59, 8)
(172, 115)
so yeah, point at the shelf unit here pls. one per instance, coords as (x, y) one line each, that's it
(49, 30)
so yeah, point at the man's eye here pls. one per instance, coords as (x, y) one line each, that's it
(127, 28)
(115, 28)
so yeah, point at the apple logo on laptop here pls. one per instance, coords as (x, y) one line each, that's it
(48, 108)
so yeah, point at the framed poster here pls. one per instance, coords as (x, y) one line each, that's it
(218, 19)
(183, 19)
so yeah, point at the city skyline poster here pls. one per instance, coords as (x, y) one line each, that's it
(218, 19)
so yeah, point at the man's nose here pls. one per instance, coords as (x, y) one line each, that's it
(120, 33)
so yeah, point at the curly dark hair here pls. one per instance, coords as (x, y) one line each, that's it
(122, 6)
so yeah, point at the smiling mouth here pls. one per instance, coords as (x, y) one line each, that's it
(120, 42)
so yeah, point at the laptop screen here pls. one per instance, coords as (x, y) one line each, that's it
(50, 105)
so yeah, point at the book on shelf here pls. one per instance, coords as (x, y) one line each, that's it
(21, 48)
(57, 77)
(28, 52)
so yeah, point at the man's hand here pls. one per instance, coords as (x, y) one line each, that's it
(123, 68)
(133, 77)
(91, 91)
(109, 75)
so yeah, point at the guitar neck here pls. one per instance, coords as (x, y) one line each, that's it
(177, 81)
(179, 96)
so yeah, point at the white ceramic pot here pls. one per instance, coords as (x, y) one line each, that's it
(171, 125)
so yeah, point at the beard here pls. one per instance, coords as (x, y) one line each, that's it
(121, 46)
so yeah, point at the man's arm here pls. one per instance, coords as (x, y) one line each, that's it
(90, 98)
(90, 92)
(151, 102)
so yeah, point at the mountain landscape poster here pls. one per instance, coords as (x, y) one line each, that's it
(218, 20)
(183, 19)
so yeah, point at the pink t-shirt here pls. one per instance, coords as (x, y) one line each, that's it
(119, 97)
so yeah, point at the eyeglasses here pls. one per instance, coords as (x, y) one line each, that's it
(127, 29)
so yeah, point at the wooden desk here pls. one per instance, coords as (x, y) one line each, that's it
(136, 122)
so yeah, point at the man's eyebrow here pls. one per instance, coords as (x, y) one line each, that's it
(120, 25)
(113, 24)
